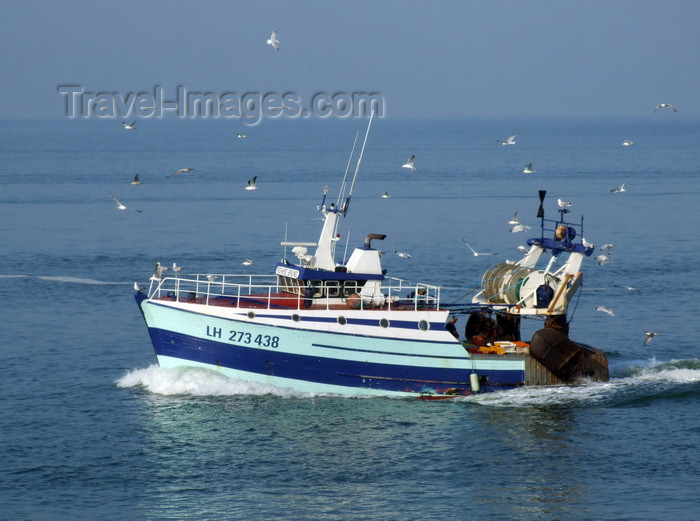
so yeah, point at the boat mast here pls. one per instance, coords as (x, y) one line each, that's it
(325, 251)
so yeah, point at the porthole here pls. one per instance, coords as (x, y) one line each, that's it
(384, 322)
(342, 320)
(423, 325)
(296, 318)
(251, 315)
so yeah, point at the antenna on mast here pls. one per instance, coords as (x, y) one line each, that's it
(344, 208)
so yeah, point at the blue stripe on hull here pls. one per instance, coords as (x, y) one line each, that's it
(326, 371)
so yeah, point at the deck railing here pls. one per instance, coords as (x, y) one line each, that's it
(246, 291)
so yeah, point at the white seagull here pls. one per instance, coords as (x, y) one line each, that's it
(649, 336)
(402, 254)
(619, 189)
(476, 254)
(129, 126)
(137, 288)
(665, 106)
(158, 271)
(606, 248)
(137, 180)
(120, 206)
(409, 164)
(176, 268)
(181, 171)
(509, 141)
(251, 184)
(602, 259)
(272, 40)
(239, 135)
(247, 262)
(563, 204)
(528, 169)
(520, 227)
(385, 195)
(514, 219)
(627, 143)
(586, 243)
(522, 249)
(605, 310)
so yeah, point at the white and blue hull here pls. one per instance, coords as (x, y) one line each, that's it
(313, 352)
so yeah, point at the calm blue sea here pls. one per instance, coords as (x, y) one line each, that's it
(92, 428)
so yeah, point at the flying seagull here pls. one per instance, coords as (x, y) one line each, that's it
(385, 195)
(129, 126)
(137, 180)
(509, 141)
(240, 135)
(520, 227)
(181, 171)
(649, 336)
(665, 106)
(476, 254)
(528, 169)
(247, 262)
(606, 248)
(514, 219)
(409, 164)
(602, 259)
(605, 310)
(619, 189)
(402, 254)
(251, 184)
(120, 206)
(627, 143)
(272, 40)
(522, 249)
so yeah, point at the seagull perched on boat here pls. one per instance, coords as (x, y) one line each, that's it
(476, 254)
(251, 184)
(606, 248)
(158, 271)
(514, 219)
(587, 244)
(176, 268)
(619, 189)
(563, 204)
(247, 262)
(409, 164)
(385, 195)
(181, 171)
(509, 141)
(402, 254)
(665, 106)
(603, 309)
(120, 206)
(602, 259)
(137, 288)
(520, 227)
(137, 180)
(129, 126)
(627, 143)
(272, 40)
(528, 169)
(649, 336)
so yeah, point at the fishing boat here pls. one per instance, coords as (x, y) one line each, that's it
(318, 326)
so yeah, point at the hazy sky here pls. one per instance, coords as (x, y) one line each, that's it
(462, 59)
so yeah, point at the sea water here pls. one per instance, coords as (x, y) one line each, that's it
(93, 429)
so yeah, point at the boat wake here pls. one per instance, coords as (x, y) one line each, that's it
(639, 383)
(658, 380)
(198, 382)
(64, 278)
